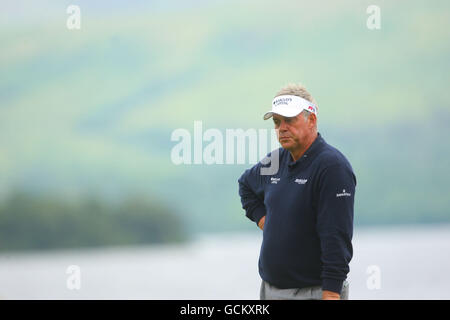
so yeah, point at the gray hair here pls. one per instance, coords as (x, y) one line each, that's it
(300, 91)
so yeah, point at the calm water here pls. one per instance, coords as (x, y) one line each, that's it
(414, 263)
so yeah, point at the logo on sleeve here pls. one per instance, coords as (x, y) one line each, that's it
(343, 194)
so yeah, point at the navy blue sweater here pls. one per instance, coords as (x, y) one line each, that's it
(308, 227)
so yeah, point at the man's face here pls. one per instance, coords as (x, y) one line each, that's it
(292, 132)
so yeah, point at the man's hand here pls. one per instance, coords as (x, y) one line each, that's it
(330, 295)
(261, 222)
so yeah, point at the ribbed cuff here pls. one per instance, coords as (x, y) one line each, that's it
(332, 285)
(258, 213)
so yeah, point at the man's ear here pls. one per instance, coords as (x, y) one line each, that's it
(312, 120)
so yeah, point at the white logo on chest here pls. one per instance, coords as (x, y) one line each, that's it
(301, 181)
(274, 180)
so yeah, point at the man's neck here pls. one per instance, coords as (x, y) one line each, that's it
(296, 154)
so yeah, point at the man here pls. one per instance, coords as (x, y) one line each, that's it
(305, 209)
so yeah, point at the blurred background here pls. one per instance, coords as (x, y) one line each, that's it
(86, 117)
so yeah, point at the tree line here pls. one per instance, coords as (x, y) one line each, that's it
(30, 221)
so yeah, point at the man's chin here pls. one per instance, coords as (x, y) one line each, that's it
(286, 144)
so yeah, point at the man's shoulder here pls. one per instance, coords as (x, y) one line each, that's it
(331, 159)
(331, 156)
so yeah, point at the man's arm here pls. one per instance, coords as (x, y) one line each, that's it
(251, 191)
(335, 226)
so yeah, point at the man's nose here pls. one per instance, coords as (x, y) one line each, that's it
(282, 126)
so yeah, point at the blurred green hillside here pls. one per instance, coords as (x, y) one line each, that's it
(92, 110)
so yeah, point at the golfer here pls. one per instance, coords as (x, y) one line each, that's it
(305, 208)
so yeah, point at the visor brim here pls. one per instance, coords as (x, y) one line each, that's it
(269, 114)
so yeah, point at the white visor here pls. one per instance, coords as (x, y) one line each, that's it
(290, 106)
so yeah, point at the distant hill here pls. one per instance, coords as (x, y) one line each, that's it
(93, 110)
